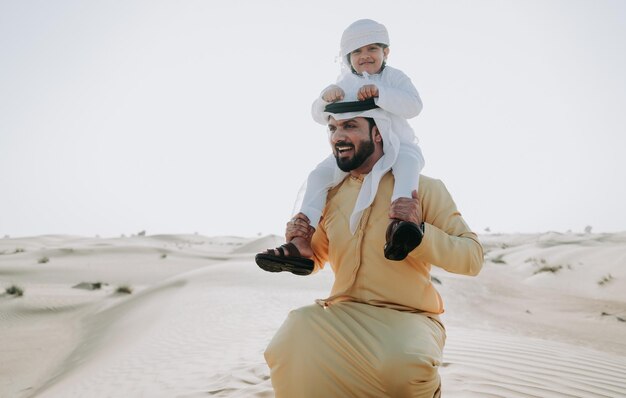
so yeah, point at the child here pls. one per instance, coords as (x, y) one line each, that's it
(364, 51)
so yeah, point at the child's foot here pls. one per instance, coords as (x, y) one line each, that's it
(303, 249)
(402, 237)
(293, 256)
(286, 257)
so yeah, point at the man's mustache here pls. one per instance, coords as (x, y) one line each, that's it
(343, 144)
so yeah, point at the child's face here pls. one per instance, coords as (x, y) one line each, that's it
(368, 58)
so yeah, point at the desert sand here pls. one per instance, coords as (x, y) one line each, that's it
(545, 318)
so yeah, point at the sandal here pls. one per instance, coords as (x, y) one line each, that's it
(402, 237)
(294, 262)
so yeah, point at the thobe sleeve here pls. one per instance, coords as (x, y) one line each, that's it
(319, 244)
(448, 242)
(398, 95)
(317, 109)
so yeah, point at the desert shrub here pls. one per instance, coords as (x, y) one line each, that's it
(89, 285)
(124, 289)
(536, 261)
(619, 318)
(43, 260)
(498, 260)
(605, 279)
(549, 268)
(14, 290)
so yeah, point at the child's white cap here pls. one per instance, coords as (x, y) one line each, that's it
(362, 33)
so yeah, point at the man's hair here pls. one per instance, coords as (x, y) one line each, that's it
(372, 123)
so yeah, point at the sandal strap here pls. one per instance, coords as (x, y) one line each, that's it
(289, 248)
(391, 228)
(292, 249)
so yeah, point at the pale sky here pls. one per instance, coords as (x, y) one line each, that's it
(194, 116)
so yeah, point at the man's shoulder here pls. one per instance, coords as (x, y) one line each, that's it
(426, 181)
(430, 187)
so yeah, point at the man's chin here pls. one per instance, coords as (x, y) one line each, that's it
(345, 164)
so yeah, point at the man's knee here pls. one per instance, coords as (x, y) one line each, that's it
(288, 338)
(407, 375)
(411, 366)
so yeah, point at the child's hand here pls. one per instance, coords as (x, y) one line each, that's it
(367, 91)
(333, 93)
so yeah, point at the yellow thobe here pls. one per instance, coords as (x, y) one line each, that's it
(378, 334)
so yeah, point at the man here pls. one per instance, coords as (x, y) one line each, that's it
(378, 334)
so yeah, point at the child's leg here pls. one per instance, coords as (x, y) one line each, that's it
(406, 170)
(320, 180)
(404, 236)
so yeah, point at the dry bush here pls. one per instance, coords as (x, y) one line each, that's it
(548, 268)
(498, 260)
(14, 290)
(124, 289)
(605, 279)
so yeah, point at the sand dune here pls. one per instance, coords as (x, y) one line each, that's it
(487, 364)
(546, 317)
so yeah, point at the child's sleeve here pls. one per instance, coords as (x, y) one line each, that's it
(317, 109)
(398, 95)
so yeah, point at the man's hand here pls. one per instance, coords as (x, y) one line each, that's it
(333, 93)
(367, 91)
(406, 209)
(299, 226)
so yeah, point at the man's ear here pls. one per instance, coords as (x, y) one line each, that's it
(377, 136)
(386, 52)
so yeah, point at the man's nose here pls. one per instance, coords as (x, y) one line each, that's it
(337, 135)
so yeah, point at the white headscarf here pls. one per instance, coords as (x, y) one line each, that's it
(361, 33)
(391, 146)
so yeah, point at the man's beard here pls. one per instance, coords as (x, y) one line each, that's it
(366, 149)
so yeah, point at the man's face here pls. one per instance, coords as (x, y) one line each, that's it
(352, 142)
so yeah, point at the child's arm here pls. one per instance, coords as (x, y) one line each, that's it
(325, 176)
(332, 93)
(406, 169)
(397, 94)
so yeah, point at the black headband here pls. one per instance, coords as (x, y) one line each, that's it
(353, 106)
